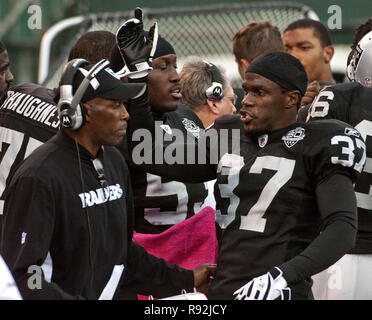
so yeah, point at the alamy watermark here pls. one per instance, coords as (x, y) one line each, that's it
(34, 281)
(173, 146)
(334, 277)
(335, 20)
(34, 21)
(35, 17)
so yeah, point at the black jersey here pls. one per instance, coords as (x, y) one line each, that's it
(352, 103)
(56, 204)
(162, 202)
(266, 197)
(272, 193)
(28, 118)
(303, 111)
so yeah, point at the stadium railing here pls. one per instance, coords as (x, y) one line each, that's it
(205, 31)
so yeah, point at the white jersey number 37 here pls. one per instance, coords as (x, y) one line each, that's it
(253, 220)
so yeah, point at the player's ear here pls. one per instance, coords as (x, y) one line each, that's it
(87, 110)
(294, 98)
(243, 65)
(328, 53)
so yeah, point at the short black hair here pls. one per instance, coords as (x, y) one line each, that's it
(93, 46)
(320, 31)
(2, 47)
(361, 31)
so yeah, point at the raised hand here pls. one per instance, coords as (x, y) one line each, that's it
(137, 47)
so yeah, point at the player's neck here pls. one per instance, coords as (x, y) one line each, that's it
(205, 117)
(326, 77)
(284, 122)
(84, 139)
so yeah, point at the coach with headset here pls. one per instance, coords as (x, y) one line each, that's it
(70, 202)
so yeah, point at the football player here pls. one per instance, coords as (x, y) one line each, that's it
(256, 38)
(71, 200)
(360, 32)
(6, 76)
(28, 115)
(161, 202)
(349, 278)
(285, 183)
(309, 41)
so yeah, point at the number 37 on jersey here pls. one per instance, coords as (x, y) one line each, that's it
(251, 190)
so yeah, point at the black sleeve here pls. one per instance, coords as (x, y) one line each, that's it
(148, 275)
(144, 137)
(332, 102)
(337, 205)
(34, 224)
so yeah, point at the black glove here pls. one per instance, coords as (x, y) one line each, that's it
(136, 46)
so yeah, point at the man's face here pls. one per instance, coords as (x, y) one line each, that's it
(306, 47)
(262, 105)
(227, 104)
(6, 77)
(164, 84)
(107, 120)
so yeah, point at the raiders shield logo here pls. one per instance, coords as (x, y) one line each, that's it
(352, 132)
(293, 136)
(191, 127)
(262, 140)
(367, 82)
(358, 53)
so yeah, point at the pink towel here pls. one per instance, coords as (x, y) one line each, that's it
(188, 244)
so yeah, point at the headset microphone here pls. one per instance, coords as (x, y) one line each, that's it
(70, 110)
(215, 91)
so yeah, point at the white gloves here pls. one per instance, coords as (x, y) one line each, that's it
(269, 286)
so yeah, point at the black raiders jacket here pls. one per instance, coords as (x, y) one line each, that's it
(56, 209)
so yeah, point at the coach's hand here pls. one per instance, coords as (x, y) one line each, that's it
(202, 276)
(136, 46)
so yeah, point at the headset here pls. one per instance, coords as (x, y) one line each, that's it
(215, 91)
(70, 110)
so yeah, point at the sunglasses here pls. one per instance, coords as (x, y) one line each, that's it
(98, 166)
(233, 99)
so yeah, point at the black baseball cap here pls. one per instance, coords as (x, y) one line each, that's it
(106, 84)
